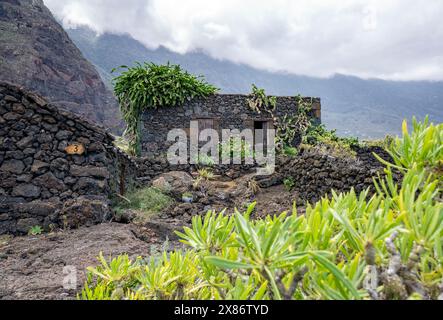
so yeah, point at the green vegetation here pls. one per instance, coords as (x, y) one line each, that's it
(204, 160)
(290, 151)
(422, 147)
(205, 174)
(149, 201)
(260, 101)
(318, 134)
(321, 138)
(289, 184)
(154, 86)
(381, 143)
(35, 231)
(254, 186)
(385, 246)
(122, 144)
(287, 127)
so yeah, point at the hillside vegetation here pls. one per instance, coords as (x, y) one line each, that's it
(353, 246)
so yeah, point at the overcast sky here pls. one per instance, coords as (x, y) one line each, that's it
(389, 39)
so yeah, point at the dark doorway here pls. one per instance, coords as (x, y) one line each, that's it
(260, 134)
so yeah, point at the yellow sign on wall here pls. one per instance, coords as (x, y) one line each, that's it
(75, 149)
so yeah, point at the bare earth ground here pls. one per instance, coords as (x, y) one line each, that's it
(275, 200)
(33, 267)
(36, 267)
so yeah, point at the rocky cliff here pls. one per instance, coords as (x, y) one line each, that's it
(35, 52)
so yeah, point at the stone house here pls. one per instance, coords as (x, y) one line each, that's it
(220, 111)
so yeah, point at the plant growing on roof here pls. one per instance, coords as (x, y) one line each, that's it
(287, 127)
(260, 101)
(149, 85)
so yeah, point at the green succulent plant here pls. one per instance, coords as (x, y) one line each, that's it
(148, 85)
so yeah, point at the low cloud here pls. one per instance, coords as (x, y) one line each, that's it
(389, 39)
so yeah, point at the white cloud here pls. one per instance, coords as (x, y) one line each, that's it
(390, 39)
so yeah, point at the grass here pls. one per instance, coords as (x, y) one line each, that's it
(148, 201)
(381, 143)
(206, 174)
(122, 143)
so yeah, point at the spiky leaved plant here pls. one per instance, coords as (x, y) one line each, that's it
(148, 85)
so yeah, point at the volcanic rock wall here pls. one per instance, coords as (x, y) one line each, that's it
(46, 179)
(226, 111)
(315, 173)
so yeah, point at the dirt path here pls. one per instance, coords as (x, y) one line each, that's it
(37, 267)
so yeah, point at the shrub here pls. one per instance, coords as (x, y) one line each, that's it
(260, 101)
(423, 147)
(149, 85)
(290, 151)
(384, 246)
(205, 174)
(204, 160)
(35, 231)
(319, 136)
(122, 144)
(381, 143)
(254, 186)
(289, 183)
(150, 201)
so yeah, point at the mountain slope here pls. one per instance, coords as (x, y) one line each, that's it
(364, 108)
(35, 52)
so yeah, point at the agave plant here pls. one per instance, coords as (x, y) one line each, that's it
(423, 147)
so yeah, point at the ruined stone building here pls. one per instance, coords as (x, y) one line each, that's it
(220, 111)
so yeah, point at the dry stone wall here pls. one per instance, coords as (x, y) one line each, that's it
(40, 183)
(148, 168)
(315, 174)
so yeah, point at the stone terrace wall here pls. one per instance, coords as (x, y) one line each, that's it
(40, 184)
(149, 168)
(229, 111)
(316, 174)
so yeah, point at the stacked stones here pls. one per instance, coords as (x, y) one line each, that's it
(316, 174)
(40, 184)
(148, 168)
(229, 111)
